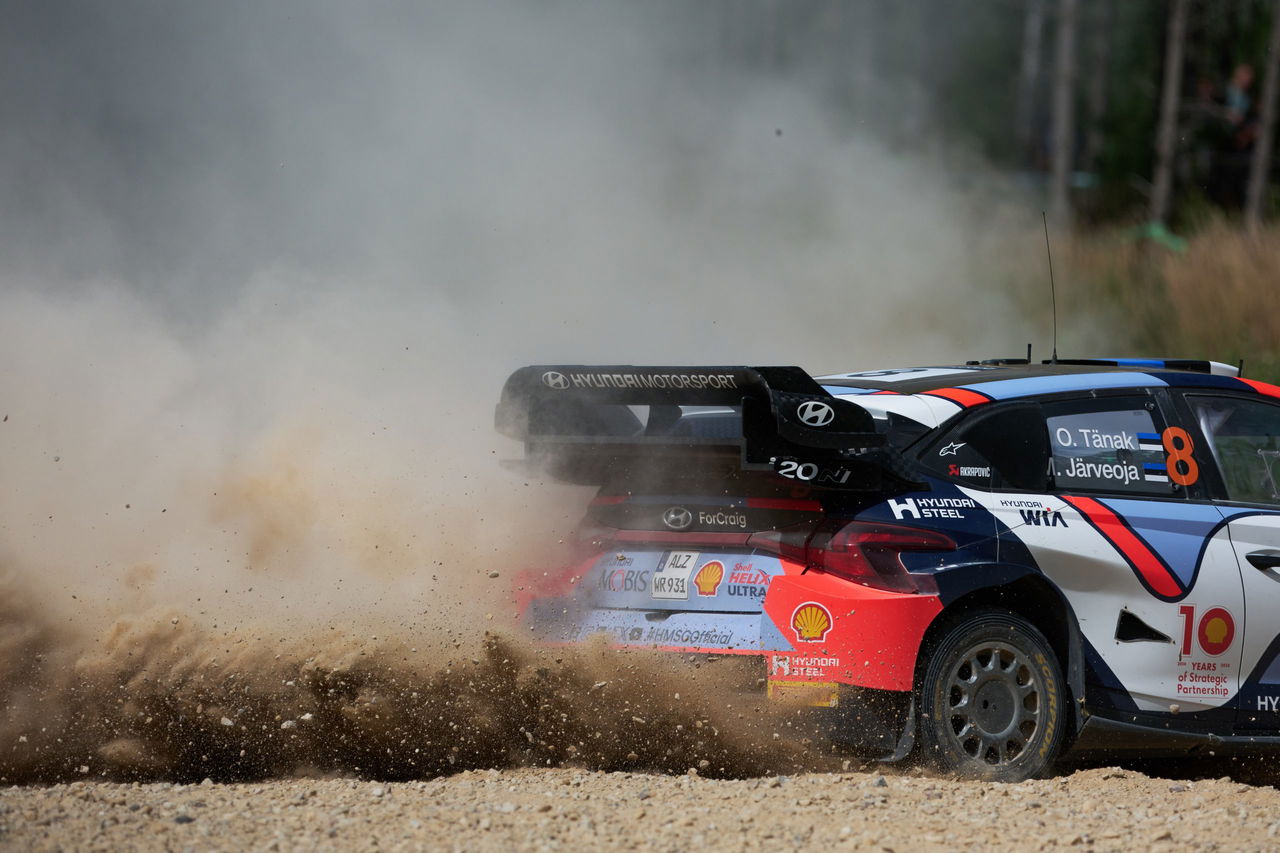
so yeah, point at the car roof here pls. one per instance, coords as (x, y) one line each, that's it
(1003, 380)
(917, 380)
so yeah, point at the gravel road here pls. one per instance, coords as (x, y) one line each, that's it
(565, 809)
(500, 746)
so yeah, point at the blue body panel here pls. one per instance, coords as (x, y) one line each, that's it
(1011, 389)
(560, 620)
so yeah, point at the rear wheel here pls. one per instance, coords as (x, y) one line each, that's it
(991, 700)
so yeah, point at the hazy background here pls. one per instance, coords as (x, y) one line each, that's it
(267, 265)
(265, 269)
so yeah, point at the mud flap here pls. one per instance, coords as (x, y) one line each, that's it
(907, 739)
(876, 724)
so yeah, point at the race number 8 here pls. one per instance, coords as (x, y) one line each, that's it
(1183, 469)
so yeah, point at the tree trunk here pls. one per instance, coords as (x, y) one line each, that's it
(1260, 162)
(1033, 27)
(1170, 97)
(1103, 21)
(1063, 135)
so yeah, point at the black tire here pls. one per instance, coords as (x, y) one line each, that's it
(992, 700)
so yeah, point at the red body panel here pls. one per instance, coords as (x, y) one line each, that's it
(960, 396)
(841, 632)
(531, 583)
(872, 639)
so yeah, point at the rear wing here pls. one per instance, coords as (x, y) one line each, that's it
(583, 422)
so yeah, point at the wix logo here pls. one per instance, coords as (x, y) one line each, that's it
(1042, 517)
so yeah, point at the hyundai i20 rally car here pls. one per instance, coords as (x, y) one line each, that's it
(985, 564)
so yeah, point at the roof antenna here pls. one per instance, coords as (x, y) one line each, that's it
(1053, 293)
(1240, 369)
(1028, 353)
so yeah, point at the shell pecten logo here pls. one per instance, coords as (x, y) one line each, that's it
(708, 578)
(811, 622)
(1217, 631)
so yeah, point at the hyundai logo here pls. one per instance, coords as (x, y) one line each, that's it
(815, 414)
(555, 379)
(677, 518)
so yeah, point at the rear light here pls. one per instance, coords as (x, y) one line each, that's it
(871, 553)
(784, 503)
(787, 542)
(864, 552)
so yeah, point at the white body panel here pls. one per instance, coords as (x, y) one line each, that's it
(1099, 583)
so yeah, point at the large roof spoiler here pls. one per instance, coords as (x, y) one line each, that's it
(581, 421)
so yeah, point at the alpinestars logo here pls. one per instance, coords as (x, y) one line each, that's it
(677, 518)
(815, 413)
(555, 379)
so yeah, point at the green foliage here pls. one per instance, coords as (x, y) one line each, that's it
(973, 92)
(1216, 298)
(945, 70)
(1127, 158)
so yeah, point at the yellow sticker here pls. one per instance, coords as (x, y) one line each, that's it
(815, 694)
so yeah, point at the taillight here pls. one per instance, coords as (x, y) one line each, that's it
(786, 542)
(871, 553)
(864, 552)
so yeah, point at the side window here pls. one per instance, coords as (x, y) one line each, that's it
(1110, 444)
(1000, 448)
(1244, 438)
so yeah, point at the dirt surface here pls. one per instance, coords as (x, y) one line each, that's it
(363, 744)
(565, 809)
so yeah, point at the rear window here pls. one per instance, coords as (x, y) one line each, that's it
(1002, 447)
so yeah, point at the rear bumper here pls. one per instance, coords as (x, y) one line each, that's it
(818, 632)
(844, 633)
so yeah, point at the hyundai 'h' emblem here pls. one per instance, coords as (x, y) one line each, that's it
(815, 414)
(555, 379)
(677, 518)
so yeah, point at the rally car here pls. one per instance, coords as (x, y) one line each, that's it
(985, 565)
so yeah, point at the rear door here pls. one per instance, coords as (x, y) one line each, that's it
(1132, 548)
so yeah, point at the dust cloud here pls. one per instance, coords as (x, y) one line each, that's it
(156, 699)
(266, 269)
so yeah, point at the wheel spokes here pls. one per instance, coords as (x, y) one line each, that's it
(997, 674)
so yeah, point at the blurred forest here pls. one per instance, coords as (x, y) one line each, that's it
(1146, 129)
(1073, 95)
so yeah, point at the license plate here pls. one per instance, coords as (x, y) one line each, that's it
(671, 580)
